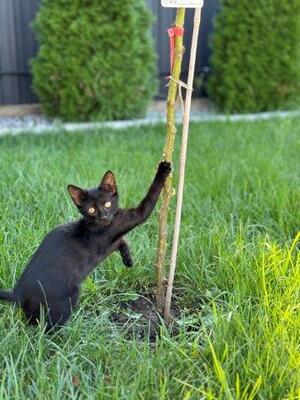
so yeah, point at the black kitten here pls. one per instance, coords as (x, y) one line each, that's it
(52, 279)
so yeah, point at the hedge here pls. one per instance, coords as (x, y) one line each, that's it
(95, 59)
(255, 56)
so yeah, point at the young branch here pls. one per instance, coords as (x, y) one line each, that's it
(185, 132)
(167, 155)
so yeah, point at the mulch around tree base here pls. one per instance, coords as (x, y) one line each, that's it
(139, 318)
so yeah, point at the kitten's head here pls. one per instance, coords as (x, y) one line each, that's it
(100, 204)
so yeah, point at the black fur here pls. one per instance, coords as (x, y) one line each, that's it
(51, 281)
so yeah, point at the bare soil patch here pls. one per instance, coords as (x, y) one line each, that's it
(139, 317)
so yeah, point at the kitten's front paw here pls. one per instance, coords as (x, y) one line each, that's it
(127, 260)
(128, 263)
(164, 168)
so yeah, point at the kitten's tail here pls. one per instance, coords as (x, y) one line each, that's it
(8, 295)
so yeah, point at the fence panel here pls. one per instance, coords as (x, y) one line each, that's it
(17, 46)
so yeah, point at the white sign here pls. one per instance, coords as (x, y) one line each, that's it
(182, 3)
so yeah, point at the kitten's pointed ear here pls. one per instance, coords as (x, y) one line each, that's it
(109, 182)
(77, 194)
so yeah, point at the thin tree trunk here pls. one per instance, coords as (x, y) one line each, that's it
(185, 132)
(167, 155)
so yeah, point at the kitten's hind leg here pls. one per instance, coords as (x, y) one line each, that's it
(54, 313)
(60, 311)
(125, 253)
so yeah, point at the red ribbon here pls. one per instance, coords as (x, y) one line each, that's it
(173, 33)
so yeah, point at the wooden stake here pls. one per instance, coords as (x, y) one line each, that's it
(185, 132)
(167, 155)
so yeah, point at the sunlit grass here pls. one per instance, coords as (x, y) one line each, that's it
(238, 280)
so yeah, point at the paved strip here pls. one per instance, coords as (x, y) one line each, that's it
(39, 125)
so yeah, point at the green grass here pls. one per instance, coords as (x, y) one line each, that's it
(238, 280)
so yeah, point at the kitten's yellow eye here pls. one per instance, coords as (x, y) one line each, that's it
(107, 204)
(92, 210)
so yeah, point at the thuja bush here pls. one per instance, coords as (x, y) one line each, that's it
(255, 59)
(95, 59)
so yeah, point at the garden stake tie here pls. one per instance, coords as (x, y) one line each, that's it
(185, 132)
(175, 31)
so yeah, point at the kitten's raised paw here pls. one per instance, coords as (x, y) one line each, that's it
(165, 167)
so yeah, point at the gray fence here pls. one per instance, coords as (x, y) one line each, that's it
(17, 45)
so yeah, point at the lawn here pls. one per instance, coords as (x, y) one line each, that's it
(238, 280)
